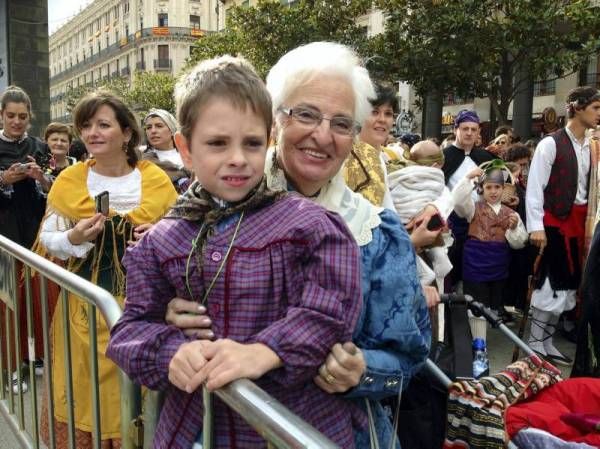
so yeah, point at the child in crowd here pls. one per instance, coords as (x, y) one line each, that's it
(279, 275)
(493, 229)
(418, 184)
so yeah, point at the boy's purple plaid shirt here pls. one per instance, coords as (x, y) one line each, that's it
(292, 282)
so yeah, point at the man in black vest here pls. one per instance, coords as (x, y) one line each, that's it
(556, 203)
(459, 159)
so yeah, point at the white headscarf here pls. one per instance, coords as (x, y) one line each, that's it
(165, 116)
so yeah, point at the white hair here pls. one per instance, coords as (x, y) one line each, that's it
(307, 62)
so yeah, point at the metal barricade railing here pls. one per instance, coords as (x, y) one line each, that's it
(272, 420)
(95, 296)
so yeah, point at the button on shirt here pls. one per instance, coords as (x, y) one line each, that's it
(539, 174)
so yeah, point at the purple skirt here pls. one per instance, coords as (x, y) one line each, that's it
(485, 261)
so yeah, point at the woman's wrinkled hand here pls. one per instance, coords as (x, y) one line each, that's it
(87, 229)
(342, 369)
(190, 317)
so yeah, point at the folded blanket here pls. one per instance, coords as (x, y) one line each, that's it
(413, 188)
(475, 418)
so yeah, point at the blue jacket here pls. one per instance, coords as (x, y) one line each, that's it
(393, 330)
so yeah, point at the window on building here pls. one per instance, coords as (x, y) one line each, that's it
(163, 52)
(107, 18)
(126, 30)
(98, 24)
(117, 35)
(125, 8)
(141, 23)
(116, 12)
(163, 20)
(195, 22)
(544, 87)
(98, 46)
(107, 41)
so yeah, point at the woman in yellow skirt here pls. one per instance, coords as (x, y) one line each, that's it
(92, 244)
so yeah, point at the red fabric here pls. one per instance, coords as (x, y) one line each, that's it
(579, 395)
(53, 292)
(571, 227)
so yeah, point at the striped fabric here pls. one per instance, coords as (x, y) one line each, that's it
(292, 282)
(475, 418)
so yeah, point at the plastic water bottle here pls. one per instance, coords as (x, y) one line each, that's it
(481, 363)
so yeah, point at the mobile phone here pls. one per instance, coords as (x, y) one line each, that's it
(102, 203)
(22, 168)
(435, 223)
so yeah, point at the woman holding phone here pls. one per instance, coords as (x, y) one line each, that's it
(94, 209)
(22, 193)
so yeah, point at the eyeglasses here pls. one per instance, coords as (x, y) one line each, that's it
(311, 118)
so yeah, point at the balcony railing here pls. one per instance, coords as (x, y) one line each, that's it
(162, 64)
(124, 43)
(452, 99)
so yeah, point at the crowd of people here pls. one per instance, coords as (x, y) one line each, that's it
(270, 231)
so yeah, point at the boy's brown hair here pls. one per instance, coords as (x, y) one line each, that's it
(232, 79)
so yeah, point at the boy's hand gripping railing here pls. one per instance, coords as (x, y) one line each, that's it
(280, 427)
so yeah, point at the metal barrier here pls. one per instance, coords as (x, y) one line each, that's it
(277, 425)
(10, 252)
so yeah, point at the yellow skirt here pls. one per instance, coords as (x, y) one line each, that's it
(108, 377)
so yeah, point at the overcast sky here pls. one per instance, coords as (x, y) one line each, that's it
(60, 11)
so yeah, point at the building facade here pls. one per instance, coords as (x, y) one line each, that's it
(24, 54)
(115, 38)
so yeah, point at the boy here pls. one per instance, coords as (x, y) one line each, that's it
(493, 229)
(278, 274)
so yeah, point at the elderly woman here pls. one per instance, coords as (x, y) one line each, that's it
(319, 93)
(160, 127)
(58, 136)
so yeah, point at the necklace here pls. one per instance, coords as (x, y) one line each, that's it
(216, 276)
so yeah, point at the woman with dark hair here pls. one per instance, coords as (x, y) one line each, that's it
(21, 177)
(160, 127)
(364, 170)
(90, 242)
(22, 194)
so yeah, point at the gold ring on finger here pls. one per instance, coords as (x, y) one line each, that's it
(329, 378)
